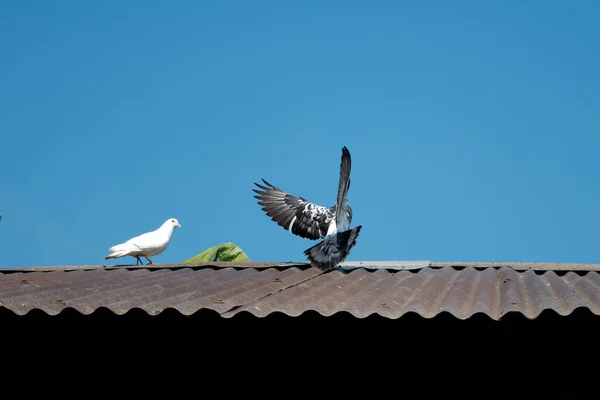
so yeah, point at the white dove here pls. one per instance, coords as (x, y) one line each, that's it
(146, 245)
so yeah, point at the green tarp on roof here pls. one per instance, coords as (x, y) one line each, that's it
(221, 252)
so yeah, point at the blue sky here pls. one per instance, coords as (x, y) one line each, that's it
(473, 126)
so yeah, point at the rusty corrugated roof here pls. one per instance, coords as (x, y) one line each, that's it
(348, 265)
(295, 288)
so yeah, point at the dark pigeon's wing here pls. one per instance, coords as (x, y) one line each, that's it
(342, 219)
(293, 213)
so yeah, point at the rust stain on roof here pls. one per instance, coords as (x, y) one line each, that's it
(293, 290)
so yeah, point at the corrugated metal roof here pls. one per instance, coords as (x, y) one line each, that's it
(295, 288)
(348, 265)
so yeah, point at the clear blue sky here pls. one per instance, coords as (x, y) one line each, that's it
(474, 126)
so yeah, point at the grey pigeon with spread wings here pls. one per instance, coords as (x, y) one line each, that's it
(311, 221)
(146, 245)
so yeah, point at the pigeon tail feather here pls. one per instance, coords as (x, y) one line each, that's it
(118, 247)
(334, 249)
(117, 254)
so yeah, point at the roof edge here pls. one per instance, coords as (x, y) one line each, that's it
(520, 266)
(349, 265)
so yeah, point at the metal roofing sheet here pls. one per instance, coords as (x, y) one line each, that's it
(293, 290)
(347, 266)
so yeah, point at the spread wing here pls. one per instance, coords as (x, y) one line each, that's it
(293, 213)
(343, 219)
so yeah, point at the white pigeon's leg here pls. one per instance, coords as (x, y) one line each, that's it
(138, 260)
(149, 260)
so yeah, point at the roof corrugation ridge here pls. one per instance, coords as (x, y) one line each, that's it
(308, 311)
(293, 291)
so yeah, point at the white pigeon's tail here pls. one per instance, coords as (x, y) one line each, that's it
(117, 251)
(334, 249)
(116, 248)
(118, 254)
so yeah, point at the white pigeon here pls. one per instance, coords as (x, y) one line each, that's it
(146, 245)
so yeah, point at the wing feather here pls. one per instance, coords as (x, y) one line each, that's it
(342, 219)
(293, 213)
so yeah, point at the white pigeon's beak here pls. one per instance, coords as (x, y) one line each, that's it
(178, 225)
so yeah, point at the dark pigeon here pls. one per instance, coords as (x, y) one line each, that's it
(311, 221)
